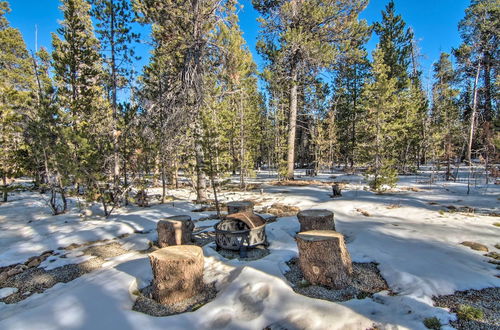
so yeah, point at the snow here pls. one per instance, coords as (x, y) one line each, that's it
(416, 246)
(5, 292)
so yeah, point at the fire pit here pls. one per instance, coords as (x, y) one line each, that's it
(240, 231)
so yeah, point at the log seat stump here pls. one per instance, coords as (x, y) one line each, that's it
(177, 273)
(316, 220)
(175, 230)
(324, 259)
(239, 207)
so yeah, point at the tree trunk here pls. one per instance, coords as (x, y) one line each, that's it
(4, 193)
(292, 124)
(473, 116)
(177, 273)
(242, 145)
(201, 181)
(324, 259)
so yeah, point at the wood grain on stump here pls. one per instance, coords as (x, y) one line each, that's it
(324, 259)
(175, 230)
(316, 220)
(177, 273)
(241, 206)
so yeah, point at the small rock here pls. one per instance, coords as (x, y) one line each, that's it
(34, 262)
(475, 246)
(3, 276)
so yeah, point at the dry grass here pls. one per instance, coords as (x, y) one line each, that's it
(363, 212)
(281, 210)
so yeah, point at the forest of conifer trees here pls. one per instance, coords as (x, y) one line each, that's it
(82, 118)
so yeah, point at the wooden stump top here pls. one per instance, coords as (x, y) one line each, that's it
(316, 213)
(251, 220)
(178, 252)
(319, 235)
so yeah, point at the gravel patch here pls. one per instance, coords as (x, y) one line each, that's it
(366, 281)
(487, 300)
(37, 280)
(145, 303)
(105, 251)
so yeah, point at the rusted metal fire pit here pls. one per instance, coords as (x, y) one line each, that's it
(240, 231)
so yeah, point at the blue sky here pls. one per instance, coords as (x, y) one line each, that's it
(434, 22)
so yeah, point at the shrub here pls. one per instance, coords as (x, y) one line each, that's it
(432, 323)
(467, 312)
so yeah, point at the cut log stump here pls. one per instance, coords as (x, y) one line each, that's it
(324, 259)
(316, 220)
(241, 206)
(336, 191)
(177, 273)
(175, 230)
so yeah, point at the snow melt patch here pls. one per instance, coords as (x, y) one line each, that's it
(5, 292)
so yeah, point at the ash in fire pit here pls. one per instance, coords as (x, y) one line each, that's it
(240, 231)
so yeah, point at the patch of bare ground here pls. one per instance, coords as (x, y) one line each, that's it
(486, 300)
(281, 210)
(147, 305)
(37, 280)
(366, 280)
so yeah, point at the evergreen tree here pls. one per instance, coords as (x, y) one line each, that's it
(397, 44)
(191, 49)
(350, 76)
(380, 103)
(477, 57)
(16, 83)
(445, 112)
(78, 76)
(303, 37)
(114, 28)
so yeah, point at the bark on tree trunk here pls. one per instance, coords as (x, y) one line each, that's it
(292, 125)
(324, 259)
(201, 181)
(4, 193)
(177, 273)
(473, 116)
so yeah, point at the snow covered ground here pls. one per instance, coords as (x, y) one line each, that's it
(410, 233)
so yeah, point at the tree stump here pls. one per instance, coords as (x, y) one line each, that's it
(177, 273)
(175, 230)
(324, 259)
(336, 191)
(241, 206)
(316, 220)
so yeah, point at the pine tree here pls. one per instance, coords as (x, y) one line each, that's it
(477, 57)
(445, 112)
(397, 44)
(16, 83)
(302, 37)
(350, 76)
(190, 49)
(380, 103)
(114, 28)
(78, 76)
